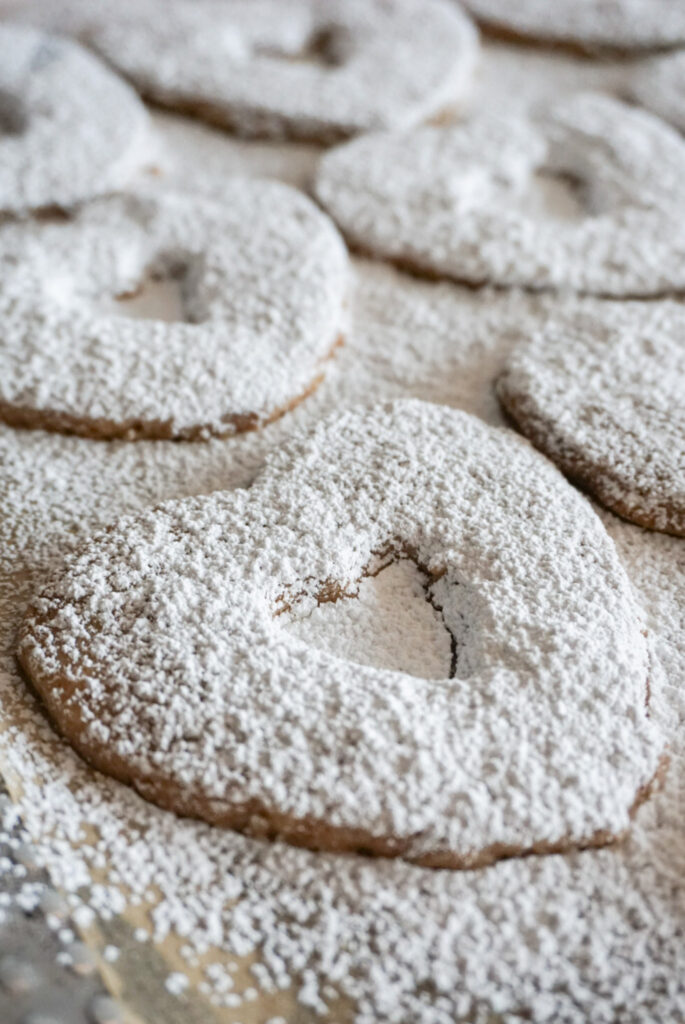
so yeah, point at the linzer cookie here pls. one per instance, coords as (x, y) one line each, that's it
(261, 277)
(456, 202)
(281, 68)
(162, 654)
(70, 129)
(600, 389)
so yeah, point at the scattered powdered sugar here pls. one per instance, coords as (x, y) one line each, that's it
(176, 983)
(304, 69)
(263, 278)
(595, 935)
(600, 388)
(455, 201)
(70, 129)
(624, 25)
(659, 85)
(41, 964)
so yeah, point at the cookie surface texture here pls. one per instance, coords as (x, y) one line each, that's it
(601, 390)
(162, 653)
(70, 129)
(301, 69)
(452, 202)
(262, 276)
(614, 25)
(658, 84)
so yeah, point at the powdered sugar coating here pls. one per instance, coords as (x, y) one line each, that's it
(623, 25)
(70, 129)
(159, 652)
(243, 64)
(600, 389)
(659, 85)
(263, 274)
(452, 201)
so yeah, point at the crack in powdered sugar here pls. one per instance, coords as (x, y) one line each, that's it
(585, 936)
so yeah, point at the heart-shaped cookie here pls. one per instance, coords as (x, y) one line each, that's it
(161, 653)
(262, 275)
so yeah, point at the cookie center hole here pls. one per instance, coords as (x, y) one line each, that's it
(550, 195)
(391, 621)
(158, 296)
(12, 115)
(327, 47)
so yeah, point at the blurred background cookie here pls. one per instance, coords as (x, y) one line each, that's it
(280, 68)
(462, 202)
(70, 129)
(259, 277)
(600, 389)
(614, 25)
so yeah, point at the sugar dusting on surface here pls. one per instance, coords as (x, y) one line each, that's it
(594, 936)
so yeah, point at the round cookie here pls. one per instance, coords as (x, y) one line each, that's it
(659, 85)
(298, 69)
(600, 390)
(262, 275)
(161, 652)
(455, 202)
(70, 129)
(590, 25)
